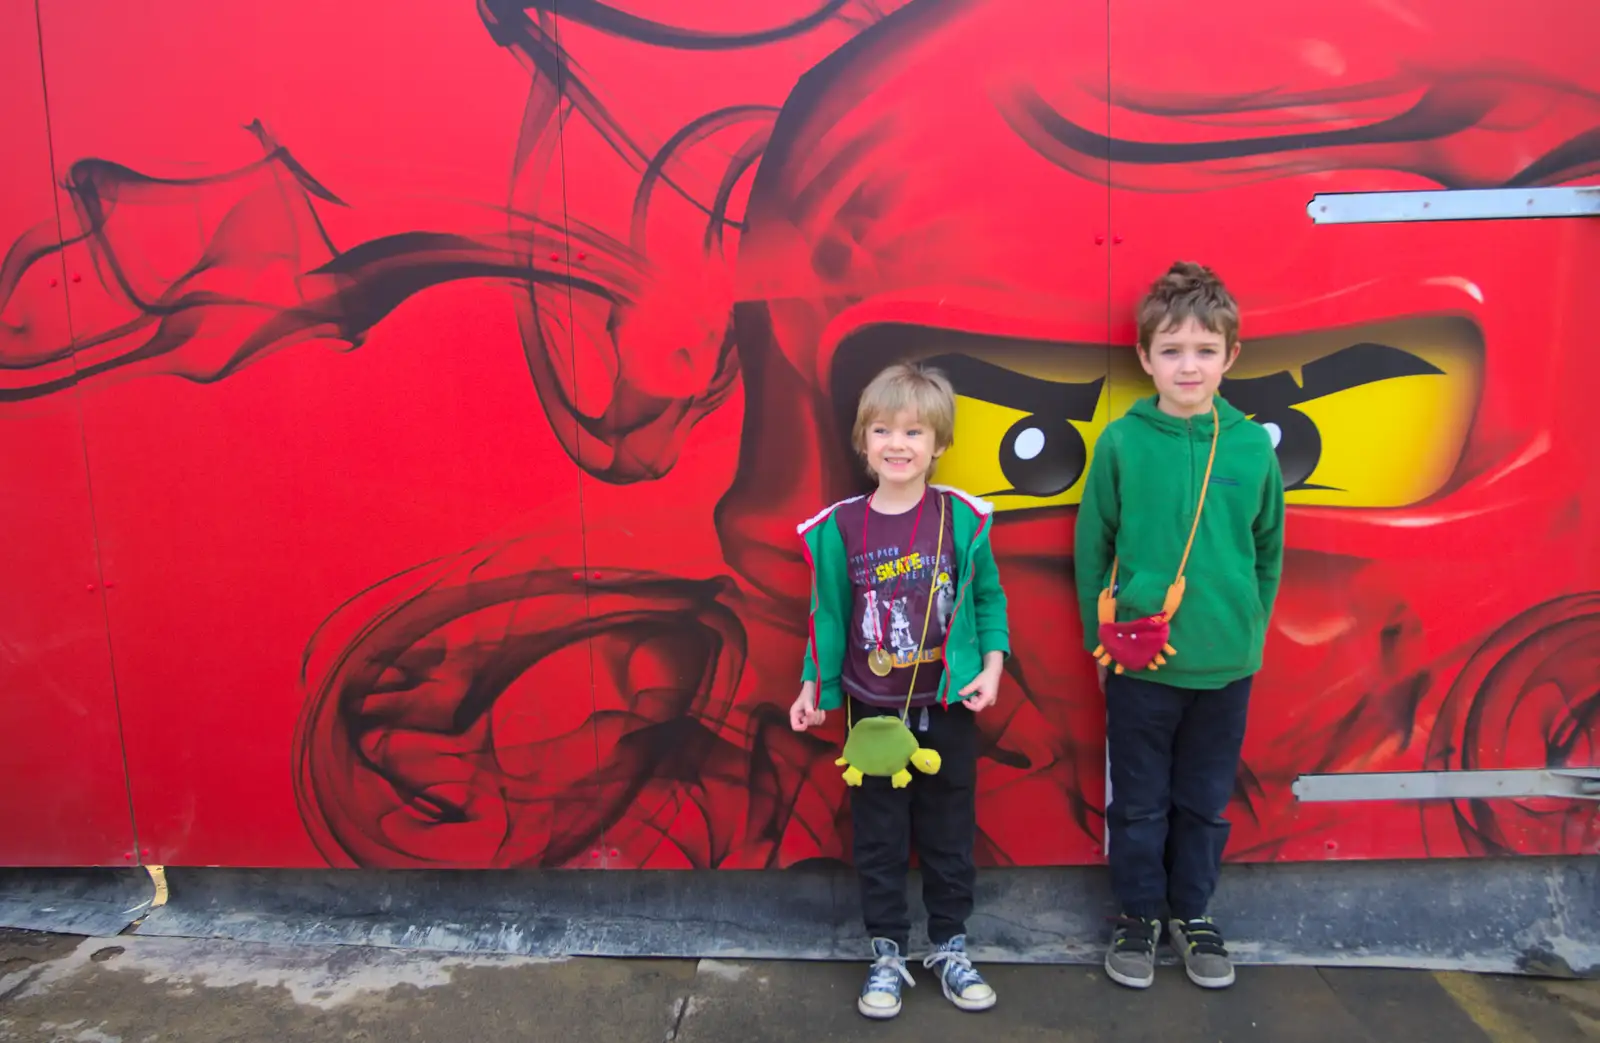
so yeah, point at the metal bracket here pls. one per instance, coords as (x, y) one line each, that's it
(1569, 784)
(1464, 204)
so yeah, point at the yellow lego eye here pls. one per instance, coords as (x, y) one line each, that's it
(1370, 417)
(1373, 418)
(1022, 440)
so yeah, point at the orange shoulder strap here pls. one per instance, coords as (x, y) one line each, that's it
(1174, 592)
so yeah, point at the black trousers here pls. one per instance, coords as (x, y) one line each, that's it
(938, 813)
(1174, 755)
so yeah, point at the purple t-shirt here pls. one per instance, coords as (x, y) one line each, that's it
(892, 579)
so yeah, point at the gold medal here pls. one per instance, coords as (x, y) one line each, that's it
(880, 662)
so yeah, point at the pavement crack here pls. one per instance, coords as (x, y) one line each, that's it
(680, 1010)
(1356, 1013)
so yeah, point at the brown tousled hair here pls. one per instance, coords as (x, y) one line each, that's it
(1188, 290)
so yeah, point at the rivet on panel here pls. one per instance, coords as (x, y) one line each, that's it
(1099, 240)
(555, 257)
(54, 283)
(76, 277)
(1116, 240)
(614, 852)
(89, 587)
(596, 575)
(577, 575)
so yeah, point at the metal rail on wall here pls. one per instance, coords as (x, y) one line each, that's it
(1456, 204)
(1571, 784)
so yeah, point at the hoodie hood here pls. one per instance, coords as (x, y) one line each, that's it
(1147, 410)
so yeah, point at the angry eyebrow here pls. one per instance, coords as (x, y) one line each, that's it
(976, 378)
(1351, 367)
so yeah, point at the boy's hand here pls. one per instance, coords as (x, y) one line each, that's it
(986, 684)
(803, 712)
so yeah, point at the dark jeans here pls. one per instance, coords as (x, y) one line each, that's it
(1174, 755)
(938, 812)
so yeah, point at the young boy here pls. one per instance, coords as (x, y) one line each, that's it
(1173, 736)
(908, 610)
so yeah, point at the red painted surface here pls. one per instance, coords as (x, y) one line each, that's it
(64, 800)
(443, 456)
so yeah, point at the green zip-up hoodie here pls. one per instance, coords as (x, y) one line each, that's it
(977, 622)
(1138, 505)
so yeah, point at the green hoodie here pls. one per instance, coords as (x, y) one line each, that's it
(977, 623)
(1138, 504)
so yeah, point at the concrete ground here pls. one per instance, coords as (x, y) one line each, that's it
(131, 989)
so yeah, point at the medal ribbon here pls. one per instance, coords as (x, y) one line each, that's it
(933, 587)
(866, 548)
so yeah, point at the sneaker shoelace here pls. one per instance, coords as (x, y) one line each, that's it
(957, 969)
(1204, 939)
(1134, 935)
(886, 970)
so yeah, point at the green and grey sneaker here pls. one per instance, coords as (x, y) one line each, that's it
(1131, 958)
(880, 996)
(1205, 957)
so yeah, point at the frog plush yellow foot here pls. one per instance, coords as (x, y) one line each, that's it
(925, 761)
(884, 746)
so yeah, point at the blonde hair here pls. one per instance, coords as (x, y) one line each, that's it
(908, 387)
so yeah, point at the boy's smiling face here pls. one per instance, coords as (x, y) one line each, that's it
(1187, 362)
(900, 450)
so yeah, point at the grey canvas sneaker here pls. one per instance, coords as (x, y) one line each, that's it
(961, 982)
(880, 995)
(1205, 957)
(1131, 957)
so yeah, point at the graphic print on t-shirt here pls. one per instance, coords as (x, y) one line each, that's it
(893, 580)
(871, 622)
(944, 593)
(900, 594)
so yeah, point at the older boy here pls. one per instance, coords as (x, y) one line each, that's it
(1175, 723)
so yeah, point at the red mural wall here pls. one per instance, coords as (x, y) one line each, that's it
(405, 416)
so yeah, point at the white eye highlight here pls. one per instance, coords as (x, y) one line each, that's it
(1030, 443)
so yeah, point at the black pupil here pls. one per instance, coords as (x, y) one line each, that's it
(1051, 456)
(1299, 444)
